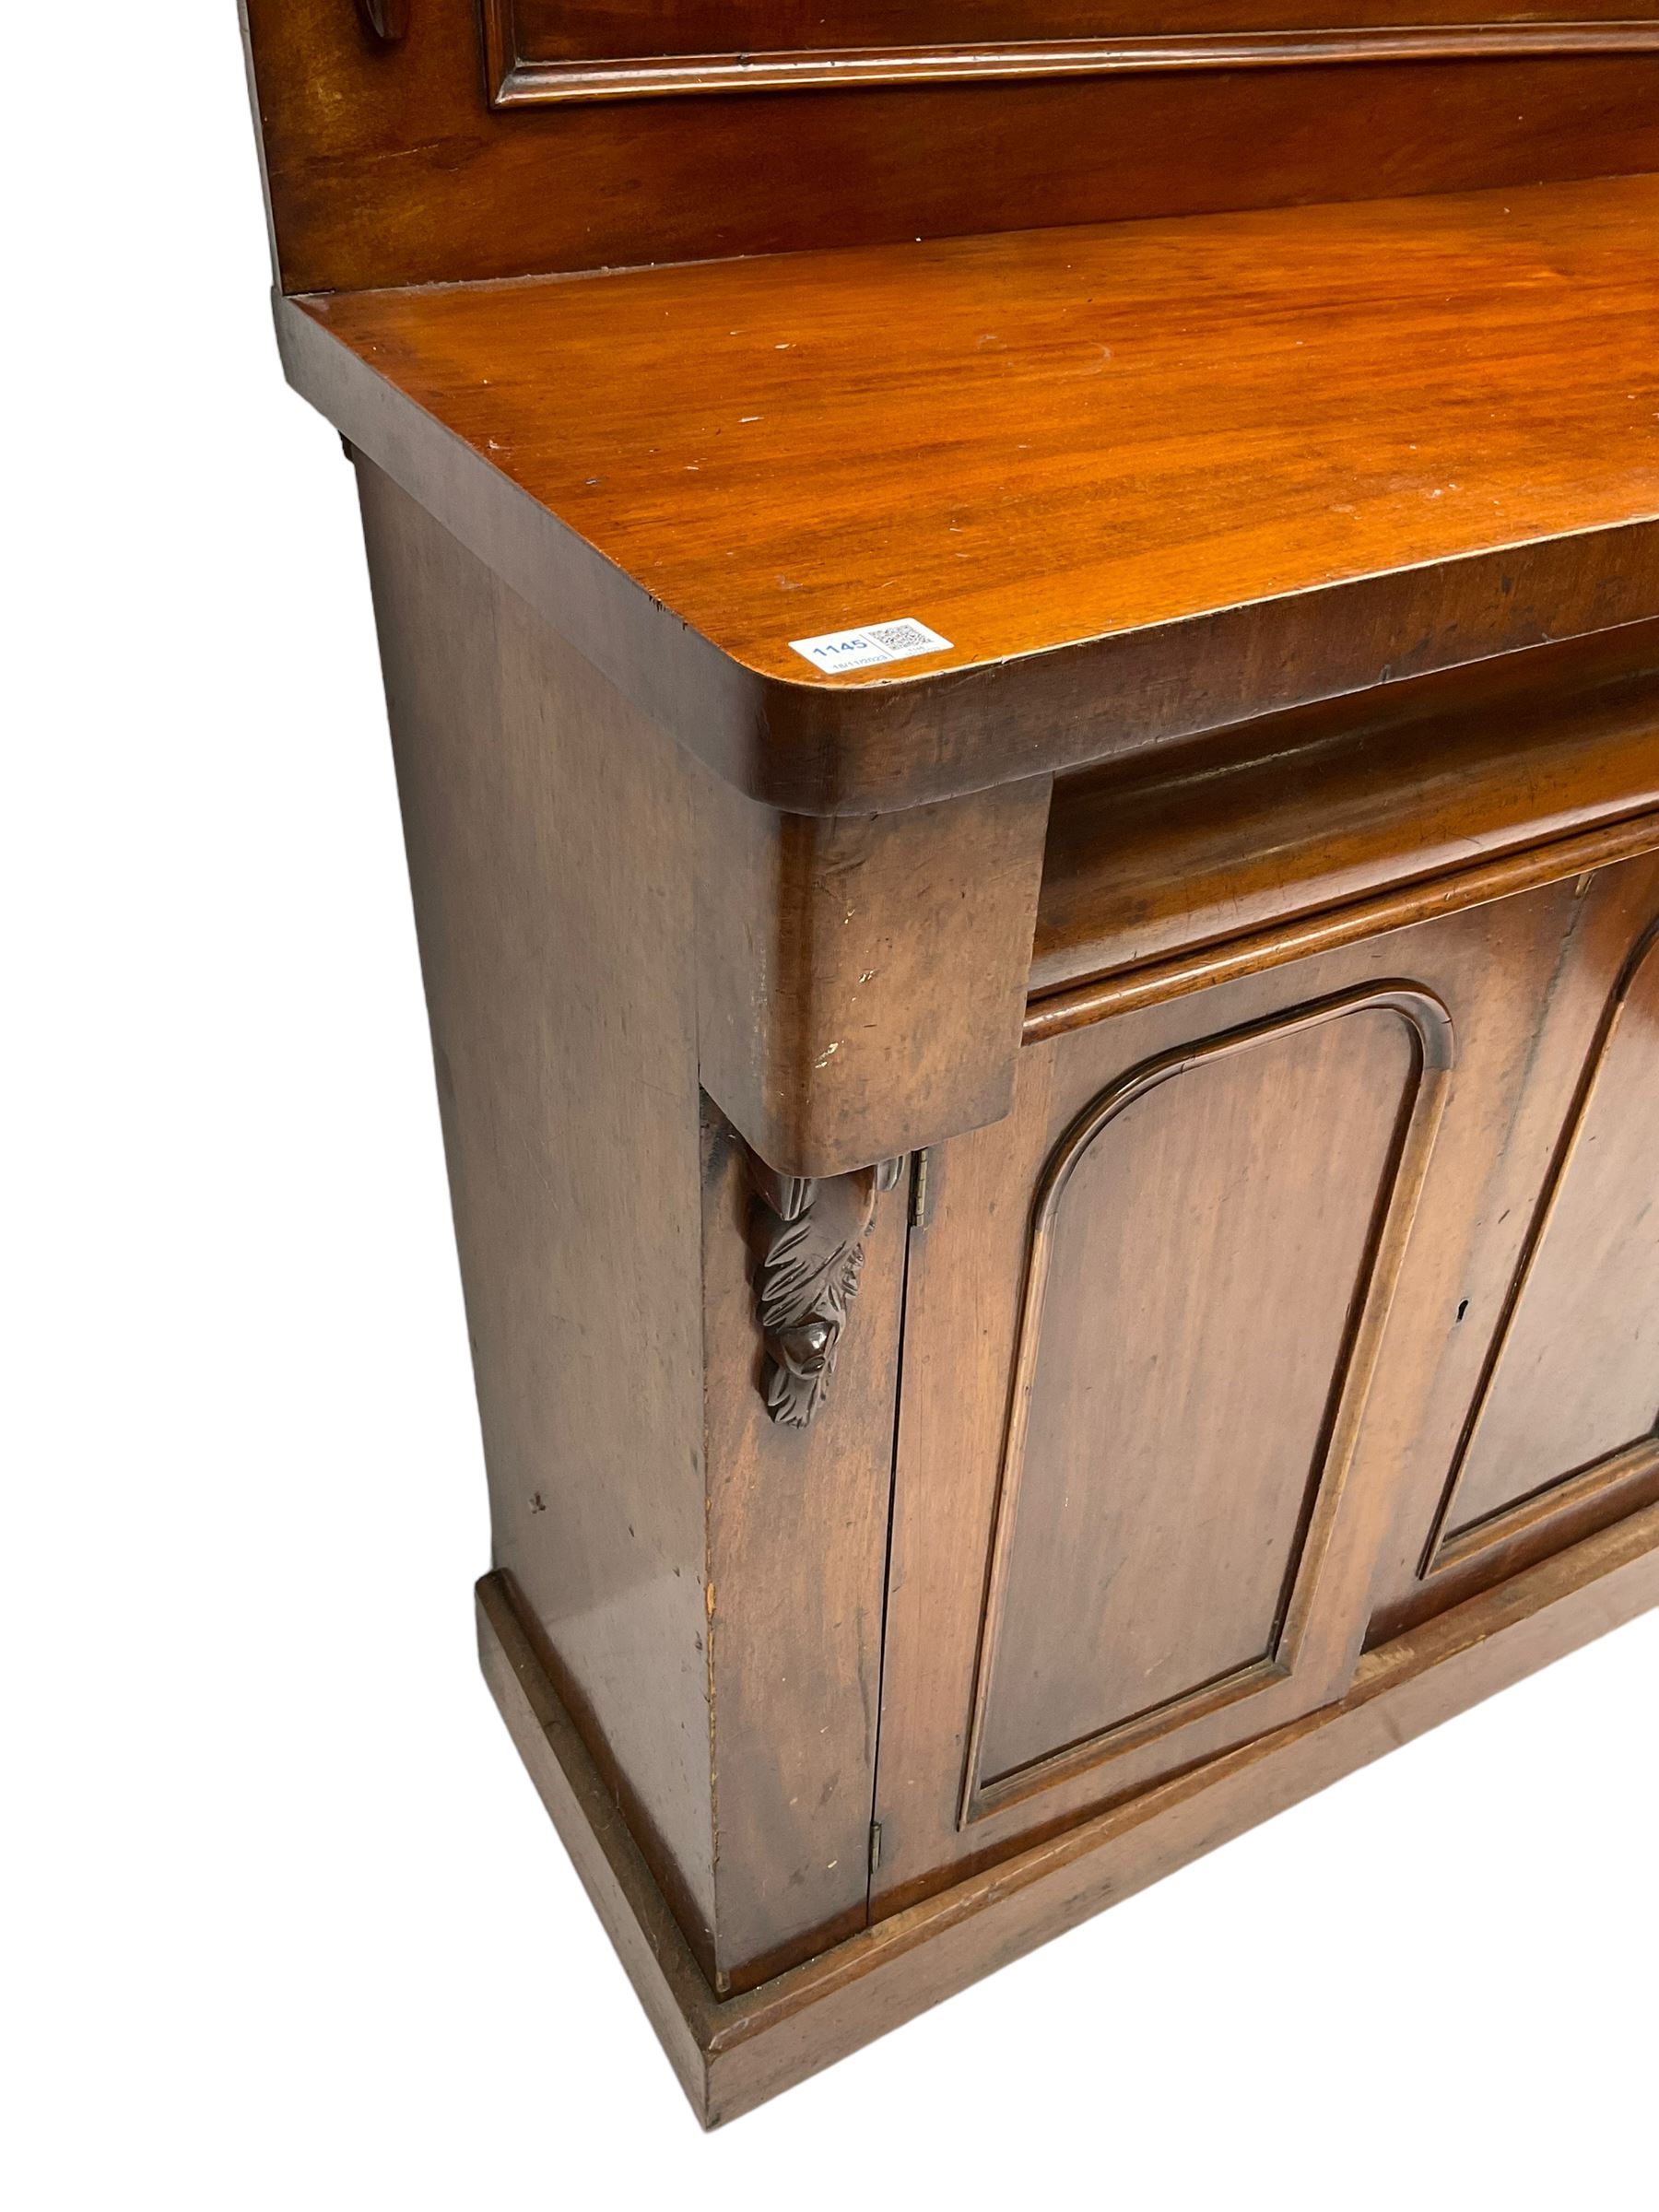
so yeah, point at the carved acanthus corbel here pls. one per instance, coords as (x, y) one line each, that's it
(811, 1254)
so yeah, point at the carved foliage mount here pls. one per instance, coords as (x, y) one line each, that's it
(810, 1236)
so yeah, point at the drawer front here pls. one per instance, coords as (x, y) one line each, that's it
(1356, 815)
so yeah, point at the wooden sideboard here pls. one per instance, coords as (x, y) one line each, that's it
(1025, 681)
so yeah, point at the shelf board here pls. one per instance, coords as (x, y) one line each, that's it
(1036, 442)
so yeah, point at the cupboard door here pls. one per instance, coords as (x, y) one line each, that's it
(1151, 1405)
(1213, 1246)
(1568, 1404)
(1537, 1339)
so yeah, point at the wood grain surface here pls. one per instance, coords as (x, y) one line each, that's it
(1186, 1320)
(1418, 783)
(1576, 1369)
(1145, 479)
(563, 1004)
(562, 49)
(1177, 1241)
(387, 165)
(1243, 1353)
(1028, 440)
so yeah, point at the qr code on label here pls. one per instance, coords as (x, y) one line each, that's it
(900, 638)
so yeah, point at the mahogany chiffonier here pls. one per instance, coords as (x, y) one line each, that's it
(1025, 682)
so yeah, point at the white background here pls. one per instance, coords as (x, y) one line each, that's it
(285, 1925)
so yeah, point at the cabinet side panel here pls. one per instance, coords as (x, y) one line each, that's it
(548, 855)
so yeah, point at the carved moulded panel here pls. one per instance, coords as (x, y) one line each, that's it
(559, 50)
(1567, 1403)
(1212, 1256)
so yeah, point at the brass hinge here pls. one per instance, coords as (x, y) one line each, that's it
(875, 1846)
(918, 1206)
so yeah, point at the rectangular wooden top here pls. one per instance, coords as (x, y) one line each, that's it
(1143, 477)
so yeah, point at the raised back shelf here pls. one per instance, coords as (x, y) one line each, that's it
(512, 139)
(547, 49)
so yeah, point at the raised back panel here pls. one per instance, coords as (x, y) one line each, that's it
(564, 49)
(1570, 1393)
(1203, 1297)
(392, 161)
